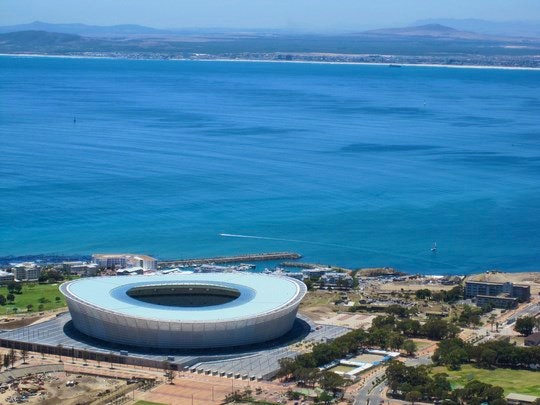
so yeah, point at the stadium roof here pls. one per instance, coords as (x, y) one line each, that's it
(259, 294)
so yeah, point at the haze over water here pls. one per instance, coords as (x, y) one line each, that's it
(357, 166)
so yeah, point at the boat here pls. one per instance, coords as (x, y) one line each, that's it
(434, 247)
(393, 65)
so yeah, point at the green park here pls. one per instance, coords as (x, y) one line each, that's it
(31, 297)
(511, 380)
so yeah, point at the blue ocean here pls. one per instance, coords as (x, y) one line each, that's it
(357, 166)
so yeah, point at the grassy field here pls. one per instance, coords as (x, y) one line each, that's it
(33, 293)
(518, 381)
(421, 345)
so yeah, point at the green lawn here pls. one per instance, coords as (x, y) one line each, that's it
(421, 345)
(519, 381)
(31, 294)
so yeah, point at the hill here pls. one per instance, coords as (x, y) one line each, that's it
(84, 29)
(428, 30)
(529, 29)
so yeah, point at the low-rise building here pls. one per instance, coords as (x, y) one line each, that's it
(335, 279)
(66, 266)
(26, 271)
(498, 301)
(6, 277)
(85, 269)
(500, 295)
(124, 260)
(314, 273)
(533, 340)
(520, 399)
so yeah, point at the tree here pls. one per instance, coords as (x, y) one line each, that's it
(170, 376)
(12, 357)
(423, 294)
(24, 355)
(85, 356)
(10, 297)
(58, 299)
(413, 396)
(492, 318)
(524, 325)
(286, 367)
(325, 397)
(2, 300)
(330, 381)
(410, 347)
(437, 329)
(29, 307)
(6, 361)
(40, 307)
(488, 358)
(59, 347)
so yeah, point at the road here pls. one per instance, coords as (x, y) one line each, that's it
(373, 395)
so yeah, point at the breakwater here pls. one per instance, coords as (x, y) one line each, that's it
(256, 257)
(302, 265)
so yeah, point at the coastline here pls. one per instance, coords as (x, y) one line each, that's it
(229, 60)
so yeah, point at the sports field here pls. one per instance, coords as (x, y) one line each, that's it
(518, 381)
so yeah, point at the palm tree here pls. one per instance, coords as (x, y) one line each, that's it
(12, 357)
(59, 347)
(492, 318)
(24, 355)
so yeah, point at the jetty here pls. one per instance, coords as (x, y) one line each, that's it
(255, 257)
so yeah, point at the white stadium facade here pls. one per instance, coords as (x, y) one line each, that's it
(184, 311)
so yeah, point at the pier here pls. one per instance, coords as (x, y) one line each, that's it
(256, 257)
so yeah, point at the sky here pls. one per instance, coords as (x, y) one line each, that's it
(319, 15)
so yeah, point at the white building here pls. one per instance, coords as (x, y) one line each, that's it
(130, 271)
(6, 277)
(26, 271)
(336, 280)
(85, 270)
(124, 260)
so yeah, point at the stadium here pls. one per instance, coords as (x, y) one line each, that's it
(186, 311)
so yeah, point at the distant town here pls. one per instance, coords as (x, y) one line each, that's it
(430, 44)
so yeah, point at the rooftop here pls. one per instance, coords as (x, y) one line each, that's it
(121, 255)
(259, 294)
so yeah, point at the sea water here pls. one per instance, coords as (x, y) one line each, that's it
(352, 165)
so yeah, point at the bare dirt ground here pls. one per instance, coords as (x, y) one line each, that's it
(355, 321)
(319, 305)
(411, 286)
(53, 388)
(199, 389)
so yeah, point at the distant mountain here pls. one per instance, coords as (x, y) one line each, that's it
(504, 28)
(426, 30)
(85, 30)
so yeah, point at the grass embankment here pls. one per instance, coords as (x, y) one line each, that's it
(148, 403)
(518, 381)
(33, 294)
